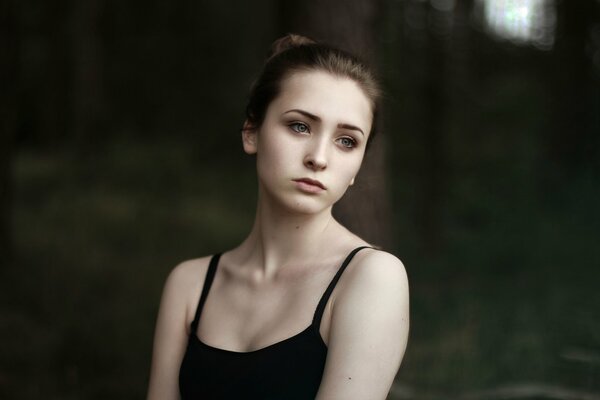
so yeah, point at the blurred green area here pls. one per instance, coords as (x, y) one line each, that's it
(96, 239)
(507, 302)
(506, 293)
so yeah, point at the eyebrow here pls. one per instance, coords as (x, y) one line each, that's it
(317, 119)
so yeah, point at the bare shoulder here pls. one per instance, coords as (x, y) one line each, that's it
(184, 283)
(369, 328)
(187, 273)
(373, 271)
(180, 293)
(374, 288)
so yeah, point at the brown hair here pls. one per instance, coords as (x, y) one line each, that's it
(293, 53)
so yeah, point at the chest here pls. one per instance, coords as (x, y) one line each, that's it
(242, 317)
(291, 370)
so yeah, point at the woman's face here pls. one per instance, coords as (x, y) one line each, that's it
(312, 141)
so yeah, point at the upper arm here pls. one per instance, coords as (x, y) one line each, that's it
(171, 333)
(368, 331)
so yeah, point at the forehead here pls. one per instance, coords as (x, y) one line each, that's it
(332, 98)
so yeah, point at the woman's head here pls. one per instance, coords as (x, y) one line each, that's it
(293, 54)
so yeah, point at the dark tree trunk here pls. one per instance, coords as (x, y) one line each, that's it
(572, 143)
(54, 105)
(433, 172)
(87, 89)
(353, 26)
(8, 112)
(427, 38)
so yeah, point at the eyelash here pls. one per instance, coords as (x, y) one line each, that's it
(352, 142)
(294, 126)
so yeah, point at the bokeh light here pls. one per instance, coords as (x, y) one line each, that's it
(521, 21)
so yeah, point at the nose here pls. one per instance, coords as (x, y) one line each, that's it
(316, 156)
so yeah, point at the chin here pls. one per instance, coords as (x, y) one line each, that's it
(294, 201)
(306, 206)
(302, 204)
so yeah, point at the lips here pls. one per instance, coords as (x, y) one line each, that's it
(311, 182)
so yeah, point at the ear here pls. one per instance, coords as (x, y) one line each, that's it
(352, 182)
(249, 136)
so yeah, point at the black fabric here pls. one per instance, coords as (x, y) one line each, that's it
(290, 369)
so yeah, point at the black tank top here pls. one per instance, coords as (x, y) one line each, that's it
(290, 369)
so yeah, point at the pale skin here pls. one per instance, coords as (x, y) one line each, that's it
(267, 288)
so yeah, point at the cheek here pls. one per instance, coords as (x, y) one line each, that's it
(274, 154)
(346, 172)
(353, 165)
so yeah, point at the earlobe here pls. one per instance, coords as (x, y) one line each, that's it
(249, 138)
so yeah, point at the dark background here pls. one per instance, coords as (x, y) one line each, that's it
(121, 156)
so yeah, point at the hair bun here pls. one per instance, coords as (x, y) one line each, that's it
(287, 42)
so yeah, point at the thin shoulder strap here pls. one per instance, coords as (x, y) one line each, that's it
(210, 275)
(336, 278)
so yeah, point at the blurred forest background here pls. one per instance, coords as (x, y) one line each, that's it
(120, 157)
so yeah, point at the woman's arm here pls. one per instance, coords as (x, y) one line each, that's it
(171, 335)
(368, 331)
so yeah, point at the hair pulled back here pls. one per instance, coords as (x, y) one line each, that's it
(294, 53)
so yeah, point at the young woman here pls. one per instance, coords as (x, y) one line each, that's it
(302, 308)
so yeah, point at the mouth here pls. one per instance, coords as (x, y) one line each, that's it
(311, 182)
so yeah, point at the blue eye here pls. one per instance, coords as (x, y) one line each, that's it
(299, 127)
(347, 142)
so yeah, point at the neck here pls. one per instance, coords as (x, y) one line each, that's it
(280, 237)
